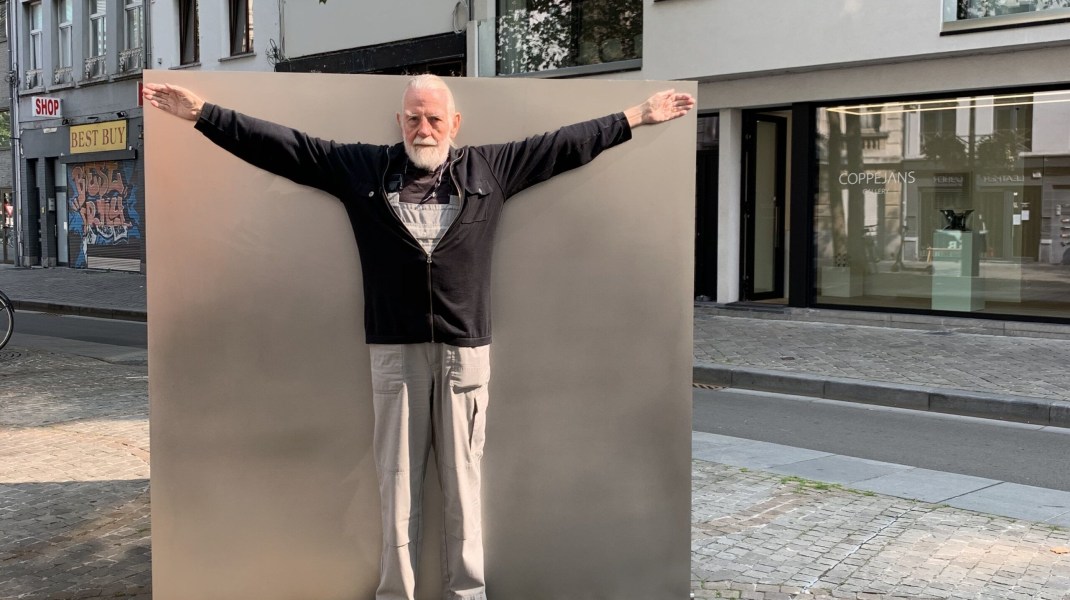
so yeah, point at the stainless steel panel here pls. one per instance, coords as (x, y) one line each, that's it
(263, 483)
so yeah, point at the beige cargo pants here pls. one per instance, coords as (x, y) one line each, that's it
(428, 394)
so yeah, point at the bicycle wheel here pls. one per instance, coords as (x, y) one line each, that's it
(7, 320)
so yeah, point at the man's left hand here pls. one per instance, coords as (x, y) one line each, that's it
(662, 106)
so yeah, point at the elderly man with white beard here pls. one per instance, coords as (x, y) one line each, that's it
(423, 214)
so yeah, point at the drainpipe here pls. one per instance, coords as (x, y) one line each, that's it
(16, 137)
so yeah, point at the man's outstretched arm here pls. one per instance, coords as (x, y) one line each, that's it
(662, 106)
(275, 148)
(519, 165)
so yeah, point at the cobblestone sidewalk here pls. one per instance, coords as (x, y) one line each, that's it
(764, 536)
(74, 469)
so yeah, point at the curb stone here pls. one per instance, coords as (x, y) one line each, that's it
(1002, 407)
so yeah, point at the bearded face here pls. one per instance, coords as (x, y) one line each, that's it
(428, 126)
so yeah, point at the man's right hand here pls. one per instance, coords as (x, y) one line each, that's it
(174, 99)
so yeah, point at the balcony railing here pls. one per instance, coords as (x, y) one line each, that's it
(63, 75)
(33, 79)
(131, 60)
(94, 67)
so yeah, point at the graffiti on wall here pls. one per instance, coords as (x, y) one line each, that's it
(102, 205)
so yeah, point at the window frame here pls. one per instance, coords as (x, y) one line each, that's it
(62, 25)
(102, 20)
(130, 6)
(954, 24)
(633, 63)
(35, 40)
(240, 26)
(189, 47)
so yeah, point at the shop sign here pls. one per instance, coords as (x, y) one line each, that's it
(872, 181)
(43, 106)
(98, 137)
(1009, 179)
(949, 180)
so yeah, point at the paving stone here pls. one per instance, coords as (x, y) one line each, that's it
(74, 502)
(923, 550)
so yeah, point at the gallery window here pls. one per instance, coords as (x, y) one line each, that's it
(580, 35)
(968, 15)
(241, 27)
(188, 32)
(962, 205)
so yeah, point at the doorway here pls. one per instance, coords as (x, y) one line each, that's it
(706, 169)
(764, 206)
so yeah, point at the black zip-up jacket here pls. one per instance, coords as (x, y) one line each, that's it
(410, 296)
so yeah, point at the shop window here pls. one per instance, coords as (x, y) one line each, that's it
(964, 208)
(188, 32)
(966, 15)
(241, 27)
(131, 58)
(583, 35)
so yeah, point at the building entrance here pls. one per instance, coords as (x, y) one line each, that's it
(764, 207)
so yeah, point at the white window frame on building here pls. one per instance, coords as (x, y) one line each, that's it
(64, 41)
(971, 15)
(189, 46)
(97, 39)
(132, 56)
(240, 13)
(34, 44)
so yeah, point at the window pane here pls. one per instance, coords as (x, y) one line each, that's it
(963, 10)
(133, 27)
(188, 33)
(956, 205)
(35, 51)
(66, 11)
(539, 35)
(65, 47)
(241, 26)
(98, 37)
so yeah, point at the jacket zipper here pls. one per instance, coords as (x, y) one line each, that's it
(430, 294)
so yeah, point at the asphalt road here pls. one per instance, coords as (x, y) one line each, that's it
(86, 329)
(1026, 454)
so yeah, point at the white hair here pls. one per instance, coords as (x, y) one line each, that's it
(431, 82)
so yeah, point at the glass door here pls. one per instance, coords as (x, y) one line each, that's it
(763, 214)
(706, 176)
